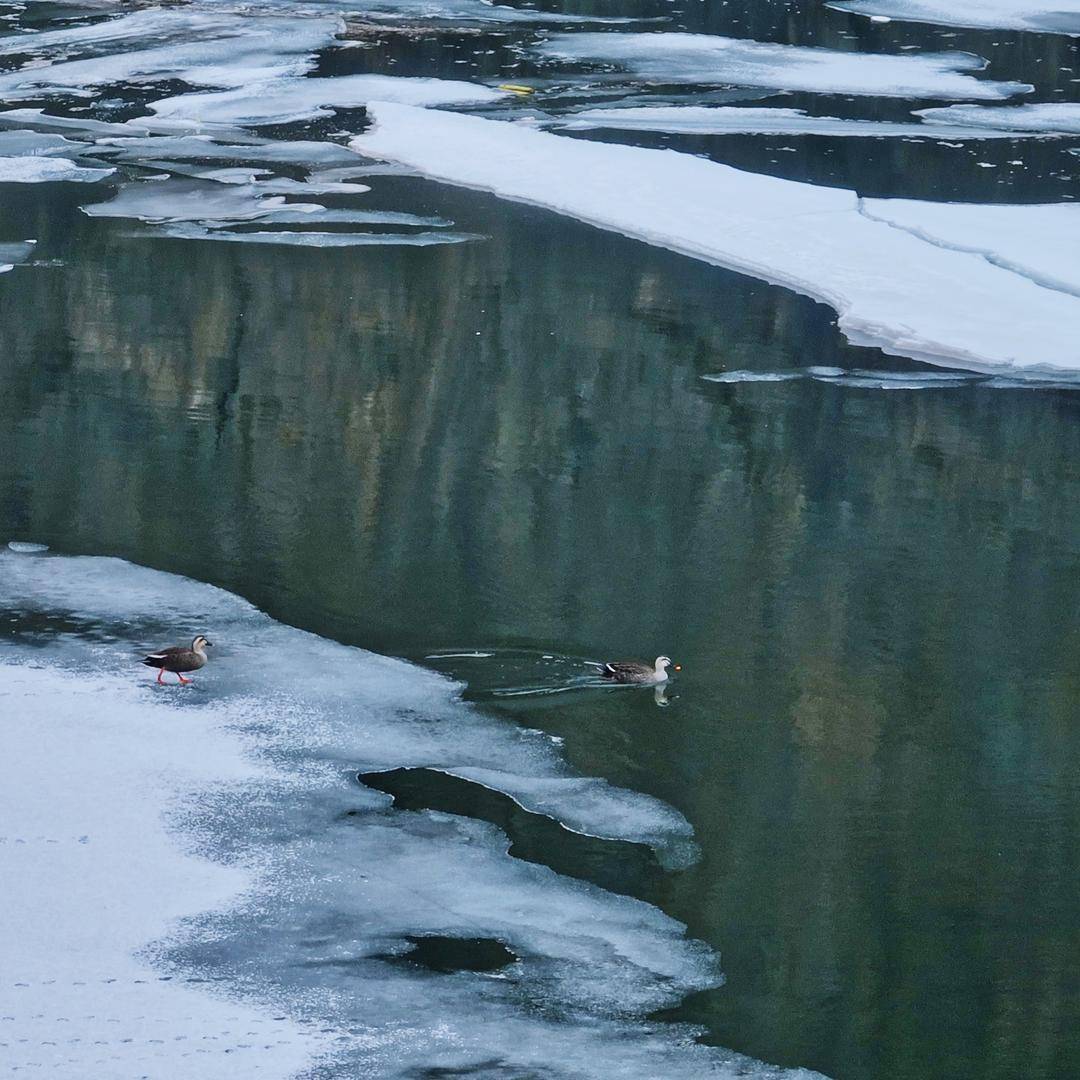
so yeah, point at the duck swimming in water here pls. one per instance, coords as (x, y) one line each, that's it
(631, 671)
(178, 658)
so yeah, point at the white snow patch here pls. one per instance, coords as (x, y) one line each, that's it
(705, 59)
(1055, 17)
(89, 764)
(892, 289)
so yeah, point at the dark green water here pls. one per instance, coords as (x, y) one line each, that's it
(507, 446)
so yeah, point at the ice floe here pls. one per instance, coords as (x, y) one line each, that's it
(1050, 118)
(1054, 17)
(286, 100)
(704, 59)
(23, 143)
(743, 120)
(892, 288)
(38, 169)
(306, 886)
(200, 48)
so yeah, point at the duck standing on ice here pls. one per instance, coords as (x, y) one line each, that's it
(178, 659)
(632, 671)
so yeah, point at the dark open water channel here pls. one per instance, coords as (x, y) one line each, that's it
(506, 446)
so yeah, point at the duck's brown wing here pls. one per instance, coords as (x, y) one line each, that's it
(165, 658)
(624, 669)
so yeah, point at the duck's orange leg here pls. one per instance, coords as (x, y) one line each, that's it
(160, 673)
(182, 679)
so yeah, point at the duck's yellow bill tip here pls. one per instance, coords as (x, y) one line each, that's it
(516, 88)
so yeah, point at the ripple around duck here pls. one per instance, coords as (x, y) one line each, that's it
(316, 886)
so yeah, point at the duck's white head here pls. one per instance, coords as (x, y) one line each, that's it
(199, 644)
(664, 662)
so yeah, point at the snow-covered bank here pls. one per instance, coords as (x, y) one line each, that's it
(178, 907)
(894, 290)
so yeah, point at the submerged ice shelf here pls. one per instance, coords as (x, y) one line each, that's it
(306, 886)
(907, 295)
(703, 59)
(744, 120)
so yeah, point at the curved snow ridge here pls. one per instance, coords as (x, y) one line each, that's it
(707, 59)
(892, 290)
(1056, 17)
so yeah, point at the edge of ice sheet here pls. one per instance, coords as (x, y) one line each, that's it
(1055, 17)
(892, 290)
(706, 59)
(743, 120)
(252, 767)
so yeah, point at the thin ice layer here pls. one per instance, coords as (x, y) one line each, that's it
(313, 239)
(892, 289)
(1053, 17)
(36, 169)
(286, 100)
(22, 143)
(11, 254)
(736, 120)
(1040, 242)
(708, 60)
(192, 200)
(337, 883)
(1050, 118)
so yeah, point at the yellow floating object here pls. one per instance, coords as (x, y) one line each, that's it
(514, 88)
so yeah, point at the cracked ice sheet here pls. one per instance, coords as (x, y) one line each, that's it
(1040, 242)
(286, 100)
(334, 879)
(433, 11)
(1051, 118)
(891, 289)
(38, 169)
(1054, 17)
(703, 59)
(208, 50)
(735, 120)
